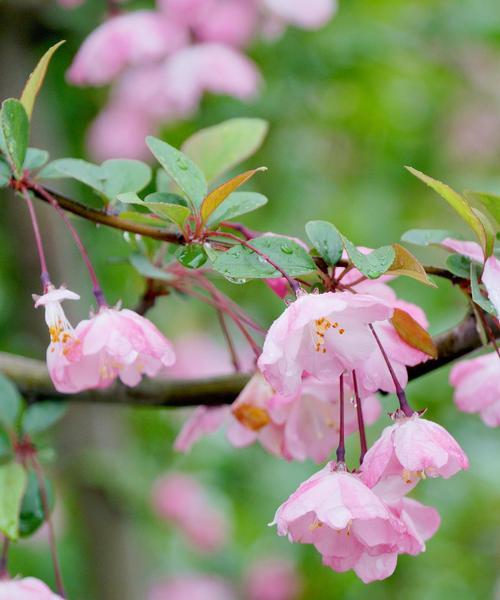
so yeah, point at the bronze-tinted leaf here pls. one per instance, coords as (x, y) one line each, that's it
(413, 333)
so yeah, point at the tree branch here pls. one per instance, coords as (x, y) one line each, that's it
(33, 380)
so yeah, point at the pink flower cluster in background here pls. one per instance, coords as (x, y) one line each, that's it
(28, 588)
(162, 61)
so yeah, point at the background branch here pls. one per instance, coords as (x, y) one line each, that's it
(33, 380)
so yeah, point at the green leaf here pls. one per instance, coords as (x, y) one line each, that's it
(142, 218)
(192, 256)
(240, 262)
(426, 237)
(462, 207)
(326, 239)
(42, 415)
(35, 159)
(181, 169)
(477, 296)
(173, 212)
(490, 201)
(15, 128)
(374, 264)
(124, 175)
(13, 480)
(10, 403)
(235, 205)
(459, 265)
(221, 147)
(216, 197)
(35, 80)
(166, 197)
(74, 168)
(32, 514)
(144, 266)
(4, 174)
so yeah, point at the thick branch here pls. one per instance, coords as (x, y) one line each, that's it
(98, 216)
(33, 380)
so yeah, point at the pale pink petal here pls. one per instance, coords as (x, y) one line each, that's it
(308, 15)
(203, 421)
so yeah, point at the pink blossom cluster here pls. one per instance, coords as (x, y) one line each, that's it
(28, 588)
(162, 61)
(113, 343)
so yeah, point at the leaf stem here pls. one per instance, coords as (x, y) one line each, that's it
(44, 273)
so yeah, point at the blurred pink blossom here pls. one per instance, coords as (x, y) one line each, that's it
(477, 387)
(308, 15)
(124, 40)
(272, 578)
(28, 588)
(182, 500)
(192, 587)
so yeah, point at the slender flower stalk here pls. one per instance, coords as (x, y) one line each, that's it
(4, 557)
(361, 421)
(232, 351)
(489, 331)
(44, 273)
(341, 446)
(52, 539)
(403, 402)
(96, 288)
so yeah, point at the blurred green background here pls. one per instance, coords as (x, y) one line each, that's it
(385, 84)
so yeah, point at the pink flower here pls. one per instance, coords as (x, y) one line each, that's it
(477, 387)
(347, 523)
(491, 272)
(203, 421)
(308, 15)
(28, 588)
(192, 587)
(182, 500)
(62, 336)
(412, 448)
(272, 579)
(125, 40)
(321, 335)
(420, 524)
(228, 22)
(116, 343)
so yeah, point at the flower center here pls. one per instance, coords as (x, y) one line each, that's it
(321, 326)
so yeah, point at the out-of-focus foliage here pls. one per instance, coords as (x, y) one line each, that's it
(385, 84)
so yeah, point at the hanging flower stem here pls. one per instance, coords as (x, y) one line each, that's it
(361, 420)
(341, 446)
(96, 288)
(489, 331)
(232, 351)
(44, 273)
(4, 557)
(400, 393)
(52, 539)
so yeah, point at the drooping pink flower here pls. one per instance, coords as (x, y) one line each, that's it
(477, 387)
(192, 587)
(182, 500)
(203, 421)
(411, 449)
(230, 22)
(116, 343)
(28, 588)
(124, 40)
(62, 336)
(491, 272)
(307, 15)
(271, 578)
(346, 522)
(321, 335)
(420, 524)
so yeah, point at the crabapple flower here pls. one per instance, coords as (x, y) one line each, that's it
(125, 40)
(192, 587)
(272, 579)
(182, 500)
(116, 343)
(307, 15)
(346, 522)
(491, 271)
(477, 387)
(321, 335)
(62, 336)
(413, 448)
(28, 588)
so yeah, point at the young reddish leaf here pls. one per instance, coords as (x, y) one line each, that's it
(35, 80)
(217, 196)
(462, 207)
(413, 333)
(406, 264)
